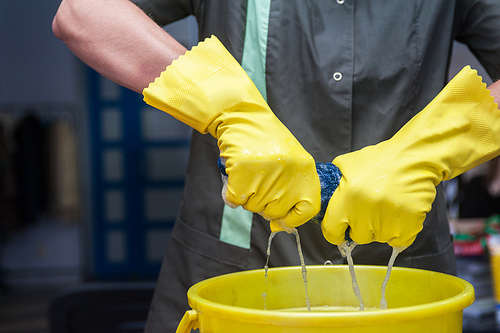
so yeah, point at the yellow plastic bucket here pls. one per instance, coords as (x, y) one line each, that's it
(418, 301)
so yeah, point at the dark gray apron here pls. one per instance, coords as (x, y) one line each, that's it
(340, 75)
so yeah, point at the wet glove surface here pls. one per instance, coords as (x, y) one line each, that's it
(269, 172)
(387, 189)
(329, 178)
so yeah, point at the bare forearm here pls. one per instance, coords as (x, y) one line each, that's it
(495, 91)
(116, 39)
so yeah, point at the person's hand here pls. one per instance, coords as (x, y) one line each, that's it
(382, 196)
(387, 189)
(269, 172)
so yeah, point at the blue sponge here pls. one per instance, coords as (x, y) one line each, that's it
(329, 178)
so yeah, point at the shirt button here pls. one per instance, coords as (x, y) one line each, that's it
(337, 76)
(340, 2)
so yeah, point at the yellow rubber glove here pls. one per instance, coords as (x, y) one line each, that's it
(387, 189)
(269, 172)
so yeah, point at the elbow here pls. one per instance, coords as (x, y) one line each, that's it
(56, 27)
(61, 24)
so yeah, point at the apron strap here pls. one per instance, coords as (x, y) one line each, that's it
(236, 226)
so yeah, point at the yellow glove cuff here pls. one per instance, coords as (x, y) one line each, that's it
(475, 100)
(190, 90)
(457, 131)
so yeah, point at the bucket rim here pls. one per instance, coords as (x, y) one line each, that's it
(354, 318)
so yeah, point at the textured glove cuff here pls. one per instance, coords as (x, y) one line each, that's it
(462, 123)
(472, 96)
(186, 89)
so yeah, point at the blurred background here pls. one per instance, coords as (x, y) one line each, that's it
(91, 178)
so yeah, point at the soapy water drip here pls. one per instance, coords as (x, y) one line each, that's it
(395, 252)
(302, 263)
(346, 249)
(266, 266)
